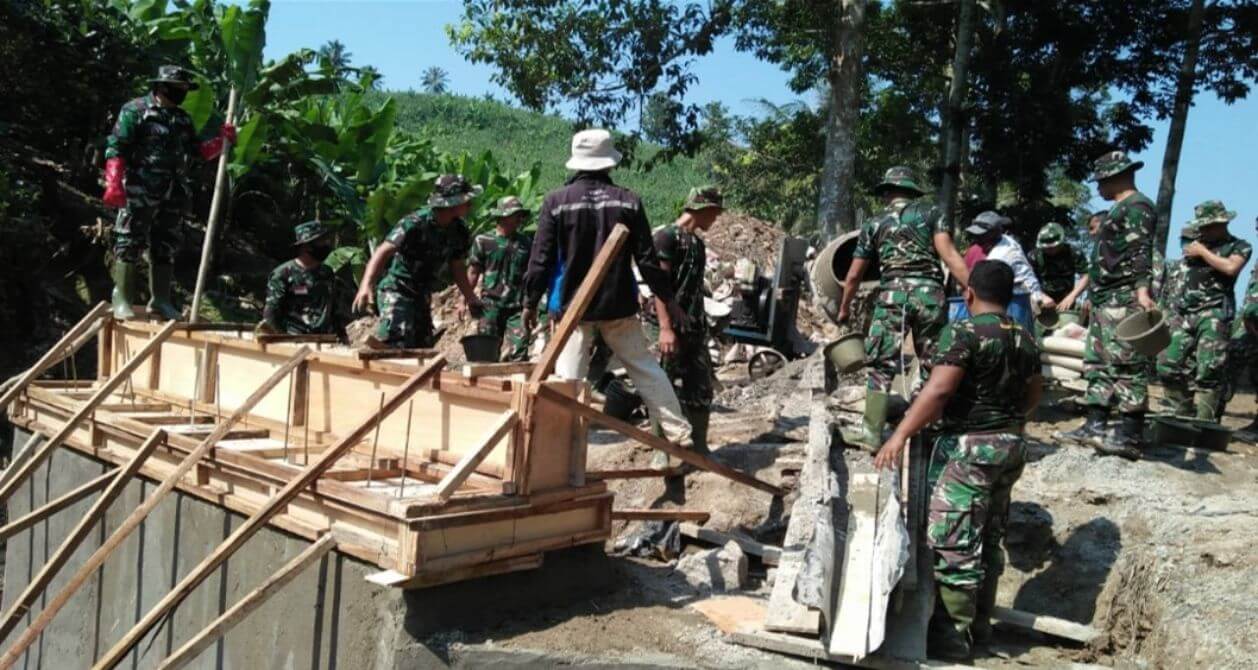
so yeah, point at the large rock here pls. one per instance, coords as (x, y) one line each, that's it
(715, 570)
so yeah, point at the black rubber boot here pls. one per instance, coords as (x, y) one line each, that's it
(1093, 429)
(160, 278)
(1127, 439)
(948, 635)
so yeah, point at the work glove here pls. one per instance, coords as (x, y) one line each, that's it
(212, 148)
(115, 195)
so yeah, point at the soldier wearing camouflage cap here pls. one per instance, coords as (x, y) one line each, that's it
(497, 262)
(984, 380)
(1063, 271)
(300, 295)
(907, 239)
(146, 178)
(1243, 346)
(415, 252)
(1202, 307)
(1119, 280)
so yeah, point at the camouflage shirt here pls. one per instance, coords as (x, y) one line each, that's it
(902, 239)
(502, 262)
(1249, 309)
(300, 301)
(424, 248)
(1203, 286)
(998, 356)
(1123, 259)
(1168, 283)
(1058, 273)
(687, 257)
(156, 142)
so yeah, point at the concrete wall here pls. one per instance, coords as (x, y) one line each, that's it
(329, 617)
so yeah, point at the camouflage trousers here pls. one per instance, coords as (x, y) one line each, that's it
(154, 227)
(1197, 354)
(902, 307)
(1242, 356)
(971, 477)
(1116, 373)
(507, 324)
(690, 369)
(405, 320)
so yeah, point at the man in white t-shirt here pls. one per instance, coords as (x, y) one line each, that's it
(987, 231)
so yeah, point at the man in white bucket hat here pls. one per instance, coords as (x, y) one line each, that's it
(572, 225)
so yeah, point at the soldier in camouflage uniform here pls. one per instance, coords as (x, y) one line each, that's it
(984, 380)
(146, 177)
(1243, 347)
(417, 249)
(1062, 271)
(1201, 316)
(300, 294)
(1119, 282)
(907, 240)
(498, 261)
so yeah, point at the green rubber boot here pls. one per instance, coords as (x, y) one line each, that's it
(160, 277)
(875, 418)
(949, 632)
(1177, 401)
(1207, 404)
(123, 274)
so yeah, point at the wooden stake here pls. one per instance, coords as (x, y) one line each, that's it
(86, 409)
(252, 601)
(216, 204)
(406, 446)
(71, 339)
(305, 427)
(375, 441)
(473, 458)
(288, 415)
(269, 509)
(39, 582)
(53, 506)
(137, 517)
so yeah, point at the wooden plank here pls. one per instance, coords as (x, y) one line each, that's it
(474, 370)
(52, 507)
(632, 473)
(770, 554)
(222, 326)
(850, 633)
(246, 605)
(276, 338)
(580, 441)
(575, 310)
(272, 507)
(633, 432)
(135, 407)
(57, 352)
(40, 581)
(473, 457)
(1045, 624)
(386, 354)
(52, 607)
(102, 392)
(660, 515)
(395, 579)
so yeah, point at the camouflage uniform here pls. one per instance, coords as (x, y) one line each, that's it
(503, 260)
(1057, 272)
(978, 455)
(1243, 346)
(299, 300)
(911, 296)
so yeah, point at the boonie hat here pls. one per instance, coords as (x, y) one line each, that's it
(452, 190)
(593, 150)
(1113, 163)
(173, 74)
(704, 197)
(309, 231)
(900, 176)
(986, 222)
(507, 206)
(1211, 211)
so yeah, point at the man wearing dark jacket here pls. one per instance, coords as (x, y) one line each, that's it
(572, 226)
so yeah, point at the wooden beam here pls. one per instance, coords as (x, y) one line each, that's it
(770, 554)
(270, 508)
(1045, 624)
(474, 370)
(278, 338)
(40, 581)
(466, 465)
(16, 460)
(57, 352)
(89, 567)
(575, 310)
(385, 354)
(102, 392)
(632, 473)
(246, 605)
(633, 432)
(660, 515)
(53, 506)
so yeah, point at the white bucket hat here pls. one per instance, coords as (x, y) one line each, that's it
(593, 150)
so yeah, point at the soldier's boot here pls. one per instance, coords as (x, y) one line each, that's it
(123, 274)
(1207, 403)
(981, 630)
(948, 636)
(1125, 441)
(1093, 429)
(875, 418)
(160, 277)
(1177, 401)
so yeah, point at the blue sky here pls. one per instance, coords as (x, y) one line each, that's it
(403, 37)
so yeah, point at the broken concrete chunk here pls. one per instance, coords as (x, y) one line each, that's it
(715, 570)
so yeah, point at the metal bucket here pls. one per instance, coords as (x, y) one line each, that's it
(1146, 331)
(847, 354)
(481, 348)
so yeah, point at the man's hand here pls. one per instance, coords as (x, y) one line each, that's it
(364, 300)
(889, 455)
(1066, 303)
(668, 342)
(1048, 303)
(844, 313)
(1195, 249)
(1144, 299)
(529, 319)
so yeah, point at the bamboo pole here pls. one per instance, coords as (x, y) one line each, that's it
(56, 353)
(137, 517)
(211, 226)
(276, 504)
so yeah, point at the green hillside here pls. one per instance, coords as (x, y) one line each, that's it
(519, 138)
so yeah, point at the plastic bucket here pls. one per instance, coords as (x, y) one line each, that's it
(847, 354)
(1171, 430)
(622, 401)
(481, 348)
(1052, 319)
(1019, 310)
(1146, 331)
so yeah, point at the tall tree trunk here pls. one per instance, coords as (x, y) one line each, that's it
(1185, 87)
(836, 211)
(954, 120)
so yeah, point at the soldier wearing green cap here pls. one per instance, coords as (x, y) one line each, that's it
(300, 293)
(907, 240)
(1119, 281)
(1063, 272)
(146, 178)
(497, 262)
(418, 248)
(1201, 298)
